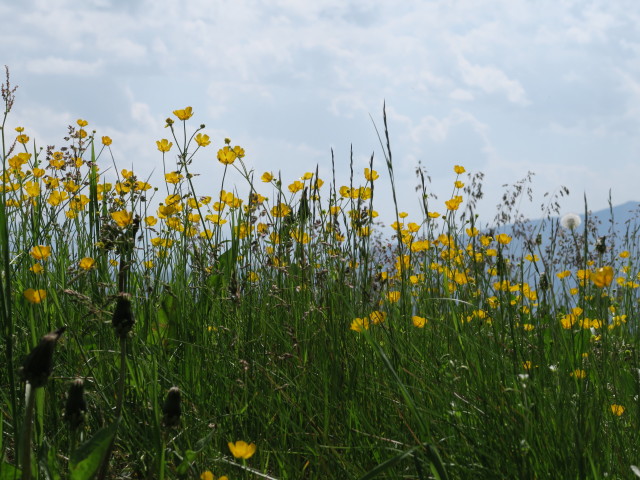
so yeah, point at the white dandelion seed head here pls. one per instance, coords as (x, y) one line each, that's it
(570, 221)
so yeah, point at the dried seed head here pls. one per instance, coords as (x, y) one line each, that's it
(38, 365)
(75, 408)
(544, 281)
(570, 221)
(171, 409)
(601, 245)
(122, 319)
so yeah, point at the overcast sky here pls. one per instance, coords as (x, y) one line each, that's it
(502, 87)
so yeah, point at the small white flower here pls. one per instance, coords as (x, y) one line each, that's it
(570, 221)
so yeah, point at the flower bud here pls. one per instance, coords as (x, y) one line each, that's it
(171, 409)
(38, 365)
(122, 319)
(75, 408)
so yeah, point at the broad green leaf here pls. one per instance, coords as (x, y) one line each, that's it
(48, 462)
(9, 472)
(86, 460)
(189, 457)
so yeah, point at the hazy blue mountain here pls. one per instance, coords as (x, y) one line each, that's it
(618, 224)
(557, 248)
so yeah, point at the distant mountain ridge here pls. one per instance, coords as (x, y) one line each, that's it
(617, 220)
(617, 228)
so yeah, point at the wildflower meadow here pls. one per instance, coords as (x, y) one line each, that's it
(159, 332)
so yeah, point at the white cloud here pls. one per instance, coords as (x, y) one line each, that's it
(461, 94)
(593, 27)
(492, 80)
(61, 66)
(451, 73)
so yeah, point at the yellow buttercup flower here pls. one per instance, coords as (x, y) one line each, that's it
(37, 268)
(18, 160)
(32, 189)
(370, 175)
(226, 155)
(166, 210)
(281, 210)
(393, 296)
(173, 177)
(360, 324)
(56, 198)
(164, 145)
(377, 317)
(242, 449)
(23, 139)
(215, 218)
(453, 203)
(208, 475)
(40, 252)
(162, 242)
(82, 123)
(503, 238)
(140, 186)
(239, 151)
(122, 218)
(617, 409)
(296, 186)
(202, 140)
(266, 177)
(106, 141)
(35, 296)
(602, 277)
(419, 322)
(87, 263)
(459, 169)
(184, 114)
(300, 236)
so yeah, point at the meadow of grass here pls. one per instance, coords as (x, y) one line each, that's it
(291, 320)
